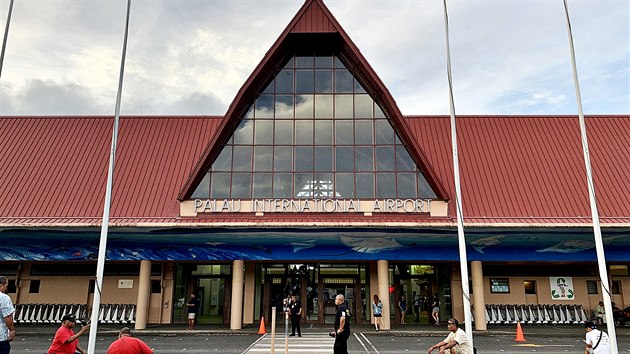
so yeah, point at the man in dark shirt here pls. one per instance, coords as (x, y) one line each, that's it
(296, 312)
(342, 326)
(193, 307)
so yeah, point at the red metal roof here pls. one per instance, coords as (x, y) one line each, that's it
(515, 170)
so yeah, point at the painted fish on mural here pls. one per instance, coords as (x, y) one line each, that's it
(370, 244)
(480, 244)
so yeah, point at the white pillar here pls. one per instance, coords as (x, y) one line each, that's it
(250, 292)
(144, 287)
(383, 290)
(479, 303)
(236, 312)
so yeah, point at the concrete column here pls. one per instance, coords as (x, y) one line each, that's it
(250, 293)
(144, 289)
(373, 290)
(236, 313)
(479, 304)
(383, 290)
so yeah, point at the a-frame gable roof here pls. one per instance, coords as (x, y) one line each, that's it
(312, 18)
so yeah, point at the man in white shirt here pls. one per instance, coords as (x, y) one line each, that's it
(597, 342)
(7, 329)
(456, 342)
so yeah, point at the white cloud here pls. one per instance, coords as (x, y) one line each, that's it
(509, 57)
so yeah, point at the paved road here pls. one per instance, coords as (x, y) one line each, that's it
(316, 342)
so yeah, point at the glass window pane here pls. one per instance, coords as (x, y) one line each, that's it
(403, 160)
(262, 185)
(264, 107)
(269, 88)
(357, 87)
(323, 106)
(303, 185)
(344, 185)
(203, 189)
(343, 81)
(304, 62)
(338, 64)
(324, 62)
(343, 106)
(323, 158)
(344, 159)
(282, 185)
(362, 106)
(365, 185)
(363, 132)
(242, 158)
(284, 132)
(250, 112)
(304, 132)
(304, 158)
(224, 161)
(323, 132)
(384, 158)
(263, 132)
(386, 185)
(244, 134)
(323, 81)
(365, 158)
(378, 112)
(263, 158)
(284, 81)
(284, 106)
(241, 185)
(344, 132)
(220, 185)
(323, 185)
(406, 185)
(304, 106)
(290, 63)
(424, 190)
(283, 158)
(304, 81)
(384, 132)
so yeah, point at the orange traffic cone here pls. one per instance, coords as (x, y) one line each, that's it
(262, 329)
(519, 333)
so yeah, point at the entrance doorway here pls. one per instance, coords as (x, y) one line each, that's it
(212, 285)
(419, 283)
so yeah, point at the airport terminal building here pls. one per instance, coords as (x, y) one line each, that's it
(313, 183)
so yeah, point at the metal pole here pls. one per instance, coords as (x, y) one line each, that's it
(6, 36)
(100, 265)
(599, 244)
(463, 261)
(273, 330)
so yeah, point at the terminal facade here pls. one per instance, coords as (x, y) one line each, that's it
(314, 184)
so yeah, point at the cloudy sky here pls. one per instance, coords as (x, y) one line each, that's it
(190, 57)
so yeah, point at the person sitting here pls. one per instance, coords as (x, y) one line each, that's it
(600, 313)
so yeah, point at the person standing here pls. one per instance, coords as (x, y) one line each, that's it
(402, 306)
(66, 341)
(377, 310)
(435, 309)
(126, 344)
(596, 340)
(342, 326)
(7, 327)
(296, 312)
(456, 341)
(416, 305)
(193, 308)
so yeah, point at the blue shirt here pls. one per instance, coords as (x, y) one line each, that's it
(6, 309)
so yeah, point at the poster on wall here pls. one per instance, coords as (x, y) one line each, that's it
(562, 288)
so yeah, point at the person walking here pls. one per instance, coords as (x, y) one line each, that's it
(416, 305)
(597, 342)
(295, 308)
(455, 343)
(377, 310)
(65, 340)
(193, 308)
(7, 327)
(126, 344)
(402, 306)
(435, 309)
(342, 326)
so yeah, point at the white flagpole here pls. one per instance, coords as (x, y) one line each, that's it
(599, 244)
(96, 303)
(6, 36)
(463, 259)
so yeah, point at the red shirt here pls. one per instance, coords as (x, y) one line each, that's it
(59, 345)
(129, 345)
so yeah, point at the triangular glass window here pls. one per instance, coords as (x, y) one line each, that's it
(314, 132)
